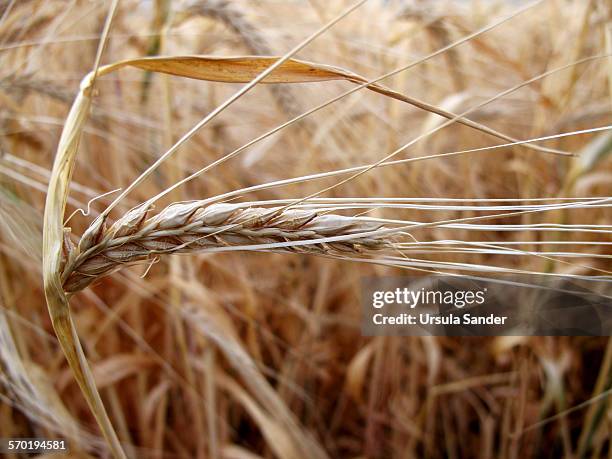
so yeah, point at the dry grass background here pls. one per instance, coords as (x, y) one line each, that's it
(243, 354)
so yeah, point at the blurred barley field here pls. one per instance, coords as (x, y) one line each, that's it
(255, 353)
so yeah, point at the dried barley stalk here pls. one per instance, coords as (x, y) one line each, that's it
(181, 227)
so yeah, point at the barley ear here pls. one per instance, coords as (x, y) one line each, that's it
(53, 238)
